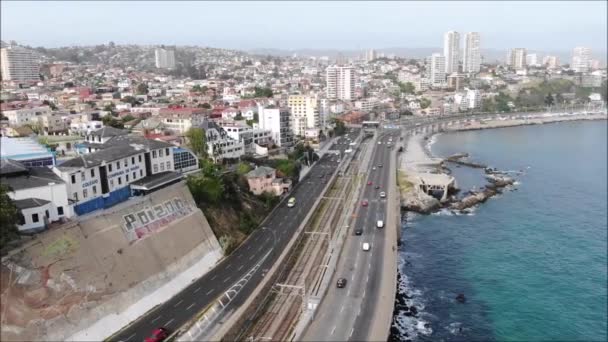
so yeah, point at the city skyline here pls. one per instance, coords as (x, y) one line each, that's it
(244, 26)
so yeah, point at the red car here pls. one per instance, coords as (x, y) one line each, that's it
(364, 203)
(158, 335)
(369, 183)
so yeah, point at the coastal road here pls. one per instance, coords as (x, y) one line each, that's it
(262, 246)
(346, 313)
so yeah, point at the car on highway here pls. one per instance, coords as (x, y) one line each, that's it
(364, 203)
(377, 187)
(341, 283)
(358, 231)
(291, 202)
(369, 183)
(373, 168)
(379, 165)
(158, 335)
(380, 224)
(366, 246)
(382, 194)
(379, 142)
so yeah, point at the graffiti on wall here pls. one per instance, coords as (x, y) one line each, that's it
(149, 220)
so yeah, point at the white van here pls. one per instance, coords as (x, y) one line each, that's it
(366, 246)
(380, 224)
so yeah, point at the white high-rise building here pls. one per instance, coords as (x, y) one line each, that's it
(581, 59)
(516, 58)
(165, 59)
(19, 64)
(278, 122)
(551, 62)
(437, 69)
(340, 83)
(532, 59)
(471, 62)
(451, 51)
(370, 55)
(304, 113)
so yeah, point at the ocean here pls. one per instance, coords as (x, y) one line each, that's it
(531, 262)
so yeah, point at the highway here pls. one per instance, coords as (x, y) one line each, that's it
(344, 312)
(277, 229)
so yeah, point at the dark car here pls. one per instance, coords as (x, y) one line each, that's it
(341, 283)
(377, 187)
(158, 335)
(358, 231)
(379, 165)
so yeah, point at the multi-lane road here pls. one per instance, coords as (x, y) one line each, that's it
(347, 313)
(278, 229)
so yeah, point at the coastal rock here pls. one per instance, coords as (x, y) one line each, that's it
(419, 202)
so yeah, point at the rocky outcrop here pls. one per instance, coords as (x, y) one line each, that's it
(419, 202)
(497, 182)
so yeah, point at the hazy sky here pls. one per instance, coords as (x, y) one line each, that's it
(558, 25)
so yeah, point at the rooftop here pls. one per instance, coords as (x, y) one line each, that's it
(260, 171)
(36, 177)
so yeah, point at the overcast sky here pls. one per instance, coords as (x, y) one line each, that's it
(559, 25)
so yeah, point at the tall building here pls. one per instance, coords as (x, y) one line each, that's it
(532, 59)
(340, 83)
(471, 61)
(370, 55)
(304, 113)
(516, 58)
(551, 62)
(437, 69)
(19, 64)
(165, 59)
(581, 59)
(278, 122)
(451, 51)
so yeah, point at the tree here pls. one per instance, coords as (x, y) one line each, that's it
(242, 169)
(50, 104)
(549, 100)
(582, 94)
(206, 105)
(197, 88)
(263, 92)
(340, 127)
(110, 120)
(142, 89)
(424, 103)
(407, 87)
(197, 140)
(559, 99)
(238, 117)
(207, 189)
(130, 99)
(128, 118)
(9, 216)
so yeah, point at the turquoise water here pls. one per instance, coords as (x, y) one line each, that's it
(532, 262)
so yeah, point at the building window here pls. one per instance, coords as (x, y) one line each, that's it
(155, 168)
(35, 218)
(73, 179)
(141, 173)
(20, 219)
(84, 193)
(167, 151)
(126, 162)
(60, 211)
(134, 175)
(153, 154)
(139, 158)
(110, 167)
(111, 183)
(92, 173)
(132, 160)
(82, 176)
(119, 181)
(94, 190)
(127, 178)
(162, 167)
(168, 165)
(46, 213)
(75, 196)
(160, 153)
(117, 165)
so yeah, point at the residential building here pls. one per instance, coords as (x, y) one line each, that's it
(551, 62)
(304, 113)
(581, 59)
(39, 195)
(455, 81)
(471, 62)
(249, 136)
(278, 122)
(180, 120)
(264, 179)
(340, 83)
(370, 55)
(26, 115)
(19, 65)
(437, 69)
(516, 58)
(366, 104)
(451, 51)
(220, 145)
(532, 59)
(165, 58)
(184, 160)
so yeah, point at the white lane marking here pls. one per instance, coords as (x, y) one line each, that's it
(352, 277)
(342, 309)
(251, 257)
(215, 276)
(348, 293)
(225, 280)
(190, 306)
(333, 330)
(130, 337)
(156, 319)
(209, 292)
(198, 289)
(178, 303)
(351, 332)
(229, 265)
(169, 322)
(240, 268)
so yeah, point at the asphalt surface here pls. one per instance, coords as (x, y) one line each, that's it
(276, 232)
(347, 313)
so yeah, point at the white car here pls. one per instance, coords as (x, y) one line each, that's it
(373, 168)
(382, 194)
(380, 224)
(366, 246)
(379, 142)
